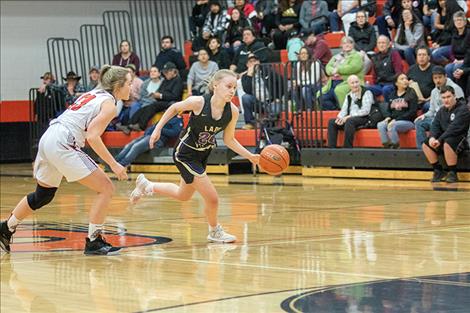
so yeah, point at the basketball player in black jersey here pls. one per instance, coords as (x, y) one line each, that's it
(210, 114)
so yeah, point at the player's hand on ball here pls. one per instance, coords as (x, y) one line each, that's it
(154, 137)
(120, 171)
(254, 158)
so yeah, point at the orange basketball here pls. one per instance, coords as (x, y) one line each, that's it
(274, 159)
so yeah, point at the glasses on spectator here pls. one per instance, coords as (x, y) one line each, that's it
(360, 16)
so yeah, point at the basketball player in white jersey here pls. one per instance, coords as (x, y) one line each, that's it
(60, 155)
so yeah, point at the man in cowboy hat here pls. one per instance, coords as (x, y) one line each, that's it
(69, 91)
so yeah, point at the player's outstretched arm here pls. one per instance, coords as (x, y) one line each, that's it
(193, 103)
(232, 143)
(93, 136)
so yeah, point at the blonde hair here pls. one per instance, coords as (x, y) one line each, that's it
(220, 74)
(112, 77)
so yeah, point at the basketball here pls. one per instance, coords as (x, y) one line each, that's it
(274, 159)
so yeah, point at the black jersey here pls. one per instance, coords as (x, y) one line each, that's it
(201, 130)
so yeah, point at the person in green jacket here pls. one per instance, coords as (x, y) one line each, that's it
(342, 65)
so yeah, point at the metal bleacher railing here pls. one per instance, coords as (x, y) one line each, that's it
(285, 98)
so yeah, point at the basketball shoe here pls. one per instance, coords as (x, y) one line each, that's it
(5, 236)
(219, 235)
(141, 183)
(99, 246)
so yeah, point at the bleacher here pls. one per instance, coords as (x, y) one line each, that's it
(307, 125)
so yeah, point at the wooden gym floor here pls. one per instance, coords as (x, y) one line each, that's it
(304, 245)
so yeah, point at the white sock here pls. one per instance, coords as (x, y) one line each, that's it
(149, 188)
(213, 228)
(94, 230)
(12, 223)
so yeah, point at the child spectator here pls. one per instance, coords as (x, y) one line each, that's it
(218, 54)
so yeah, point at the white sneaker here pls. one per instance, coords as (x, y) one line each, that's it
(141, 184)
(219, 235)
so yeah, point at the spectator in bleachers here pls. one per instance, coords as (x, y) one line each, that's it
(71, 90)
(234, 34)
(347, 62)
(401, 112)
(136, 85)
(420, 76)
(218, 54)
(132, 150)
(392, 12)
(448, 135)
(429, 13)
(214, 25)
(346, 11)
(314, 16)
(448, 23)
(307, 79)
(318, 47)
(147, 97)
(170, 54)
(294, 44)
(93, 78)
(249, 99)
(462, 75)
(410, 34)
(170, 91)
(287, 21)
(250, 45)
(47, 80)
(354, 113)
(458, 43)
(247, 8)
(363, 33)
(424, 121)
(200, 73)
(126, 56)
(197, 18)
(387, 64)
(266, 11)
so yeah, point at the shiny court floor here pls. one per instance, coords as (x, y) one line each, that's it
(305, 245)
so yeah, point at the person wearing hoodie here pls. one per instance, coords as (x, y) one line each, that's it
(448, 135)
(424, 121)
(250, 45)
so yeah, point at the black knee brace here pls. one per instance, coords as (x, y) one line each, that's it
(40, 197)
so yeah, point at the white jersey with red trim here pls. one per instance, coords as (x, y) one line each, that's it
(80, 114)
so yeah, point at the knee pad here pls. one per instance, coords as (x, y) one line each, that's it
(40, 197)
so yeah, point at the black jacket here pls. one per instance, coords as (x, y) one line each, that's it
(172, 90)
(257, 47)
(406, 114)
(451, 123)
(222, 58)
(459, 46)
(170, 55)
(364, 38)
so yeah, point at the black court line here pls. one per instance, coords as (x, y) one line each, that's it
(315, 289)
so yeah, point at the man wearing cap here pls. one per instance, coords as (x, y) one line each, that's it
(448, 135)
(423, 122)
(170, 91)
(93, 77)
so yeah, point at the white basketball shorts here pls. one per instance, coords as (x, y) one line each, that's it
(58, 156)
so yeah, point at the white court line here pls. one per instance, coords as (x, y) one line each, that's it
(292, 241)
(288, 269)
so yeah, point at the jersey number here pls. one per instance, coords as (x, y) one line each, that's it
(84, 99)
(205, 138)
